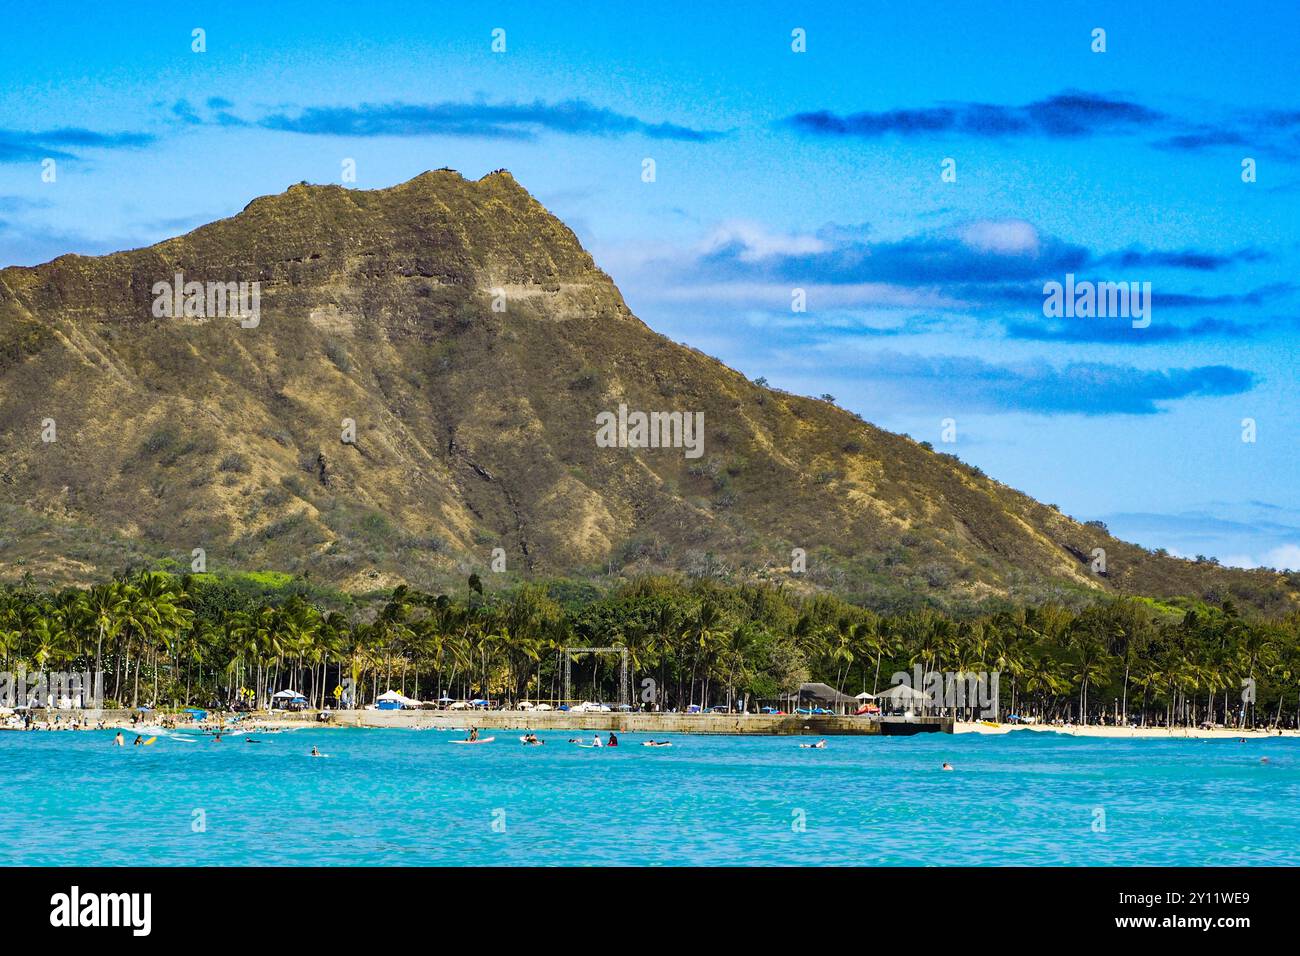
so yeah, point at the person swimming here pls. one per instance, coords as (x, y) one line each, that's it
(947, 765)
(138, 741)
(119, 740)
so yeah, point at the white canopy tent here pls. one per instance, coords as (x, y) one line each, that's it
(288, 700)
(865, 696)
(394, 697)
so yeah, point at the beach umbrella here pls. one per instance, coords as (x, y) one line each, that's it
(865, 696)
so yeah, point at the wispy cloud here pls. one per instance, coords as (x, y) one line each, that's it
(1125, 334)
(22, 204)
(1193, 259)
(1068, 115)
(27, 244)
(22, 146)
(980, 265)
(1243, 534)
(506, 120)
(1081, 388)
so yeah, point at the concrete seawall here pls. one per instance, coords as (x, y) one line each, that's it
(634, 723)
(759, 724)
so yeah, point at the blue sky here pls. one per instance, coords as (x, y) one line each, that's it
(778, 170)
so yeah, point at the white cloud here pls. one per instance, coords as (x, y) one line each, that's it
(775, 295)
(1285, 557)
(1004, 237)
(759, 243)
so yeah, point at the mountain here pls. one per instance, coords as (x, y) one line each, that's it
(474, 343)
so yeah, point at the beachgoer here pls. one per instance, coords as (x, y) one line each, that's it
(138, 741)
(473, 733)
(613, 741)
(315, 752)
(947, 765)
(595, 740)
(119, 740)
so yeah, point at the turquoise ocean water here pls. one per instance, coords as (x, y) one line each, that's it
(399, 797)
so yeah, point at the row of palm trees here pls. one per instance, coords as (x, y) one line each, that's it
(159, 638)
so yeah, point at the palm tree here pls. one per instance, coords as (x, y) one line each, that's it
(104, 604)
(735, 644)
(701, 629)
(873, 641)
(1043, 677)
(841, 652)
(1090, 666)
(639, 640)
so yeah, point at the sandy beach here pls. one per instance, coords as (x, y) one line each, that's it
(1157, 733)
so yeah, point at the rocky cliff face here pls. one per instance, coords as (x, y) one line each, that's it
(421, 386)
